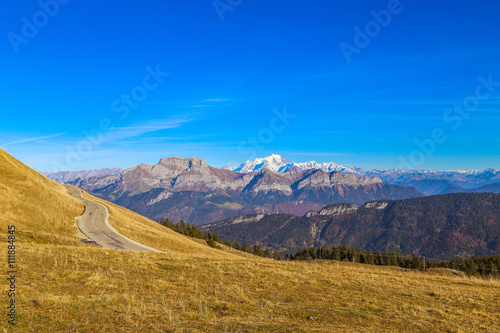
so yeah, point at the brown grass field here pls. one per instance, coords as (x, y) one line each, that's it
(66, 286)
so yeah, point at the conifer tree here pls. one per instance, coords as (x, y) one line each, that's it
(287, 255)
(312, 251)
(325, 253)
(379, 260)
(393, 258)
(276, 254)
(416, 263)
(363, 256)
(216, 237)
(182, 227)
(257, 250)
(247, 248)
(298, 254)
(212, 243)
(306, 255)
(370, 258)
(344, 252)
(336, 253)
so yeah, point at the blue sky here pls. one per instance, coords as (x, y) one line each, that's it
(84, 85)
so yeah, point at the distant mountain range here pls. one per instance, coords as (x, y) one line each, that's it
(441, 182)
(68, 176)
(189, 189)
(427, 182)
(442, 226)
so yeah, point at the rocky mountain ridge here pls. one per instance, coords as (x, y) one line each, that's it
(441, 226)
(429, 182)
(189, 189)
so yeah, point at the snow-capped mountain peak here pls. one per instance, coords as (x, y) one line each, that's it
(278, 163)
(465, 172)
(272, 162)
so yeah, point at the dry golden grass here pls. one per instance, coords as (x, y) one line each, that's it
(65, 286)
(40, 208)
(75, 289)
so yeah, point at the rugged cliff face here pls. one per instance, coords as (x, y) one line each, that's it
(189, 189)
(442, 226)
(426, 181)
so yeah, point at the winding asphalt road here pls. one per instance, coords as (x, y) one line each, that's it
(94, 224)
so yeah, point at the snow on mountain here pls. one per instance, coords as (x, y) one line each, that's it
(329, 167)
(426, 181)
(278, 163)
(272, 162)
(465, 172)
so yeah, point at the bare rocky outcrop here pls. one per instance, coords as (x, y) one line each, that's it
(376, 205)
(338, 209)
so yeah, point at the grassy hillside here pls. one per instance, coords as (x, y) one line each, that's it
(40, 208)
(43, 212)
(65, 286)
(69, 289)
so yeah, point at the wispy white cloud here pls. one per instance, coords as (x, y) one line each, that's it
(217, 100)
(120, 133)
(32, 139)
(165, 139)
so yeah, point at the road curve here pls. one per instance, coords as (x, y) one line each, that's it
(94, 224)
